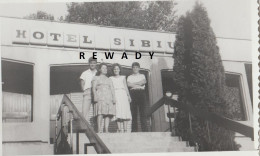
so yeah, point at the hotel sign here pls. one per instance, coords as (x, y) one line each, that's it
(89, 40)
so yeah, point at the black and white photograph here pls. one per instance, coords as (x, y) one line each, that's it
(129, 77)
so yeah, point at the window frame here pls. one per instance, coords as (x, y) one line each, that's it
(32, 97)
(242, 92)
(241, 87)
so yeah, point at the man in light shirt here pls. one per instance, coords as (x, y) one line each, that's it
(86, 86)
(136, 82)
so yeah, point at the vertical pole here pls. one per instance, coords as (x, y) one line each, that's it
(71, 133)
(61, 122)
(170, 121)
(174, 122)
(150, 120)
(77, 143)
(193, 141)
(55, 138)
(208, 131)
(190, 123)
(61, 118)
(231, 141)
(85, 149)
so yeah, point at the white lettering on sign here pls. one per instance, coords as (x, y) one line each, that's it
(90, 40)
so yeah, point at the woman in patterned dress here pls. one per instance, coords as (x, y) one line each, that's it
(123, 99)
(104, 98)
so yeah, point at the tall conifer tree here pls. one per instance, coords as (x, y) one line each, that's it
(200, 78)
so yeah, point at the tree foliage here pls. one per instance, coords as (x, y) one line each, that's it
(153, 15)
(40, 15)
(200, 78)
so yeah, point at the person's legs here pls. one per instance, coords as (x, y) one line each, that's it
(107, 120)
(119, 127)
(86, 103)
(134, 111)
(142, 110)
(99, 123)
(125, 125)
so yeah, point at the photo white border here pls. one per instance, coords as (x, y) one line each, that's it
(255, 71)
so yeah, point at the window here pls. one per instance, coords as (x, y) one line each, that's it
(234, 93)
(17, 88)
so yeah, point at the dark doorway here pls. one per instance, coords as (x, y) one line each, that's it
(65, 79)
(167, 82)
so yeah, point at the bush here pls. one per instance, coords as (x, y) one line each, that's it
(200, 78)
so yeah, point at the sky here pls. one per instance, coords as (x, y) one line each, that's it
(229, 18)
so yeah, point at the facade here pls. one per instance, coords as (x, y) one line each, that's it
(47, 55)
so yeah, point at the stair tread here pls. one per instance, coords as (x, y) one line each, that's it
(147, 150)
(139, 142)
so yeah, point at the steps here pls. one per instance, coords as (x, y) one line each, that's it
(140, 142)
(27, 148)
(246, 143)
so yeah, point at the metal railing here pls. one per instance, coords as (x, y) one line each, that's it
(61, 145)
(73, 121)
(221, 121)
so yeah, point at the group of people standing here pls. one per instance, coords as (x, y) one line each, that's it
(111, 97)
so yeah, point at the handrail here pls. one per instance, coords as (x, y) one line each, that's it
(155, 106)
(99, 146)
(204, 115)
(63, 132)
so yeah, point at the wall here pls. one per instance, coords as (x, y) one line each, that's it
(43, 56)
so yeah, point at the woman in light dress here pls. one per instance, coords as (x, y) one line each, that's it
(104, 98)
(123, 99)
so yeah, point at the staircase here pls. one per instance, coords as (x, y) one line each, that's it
(139, 142)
